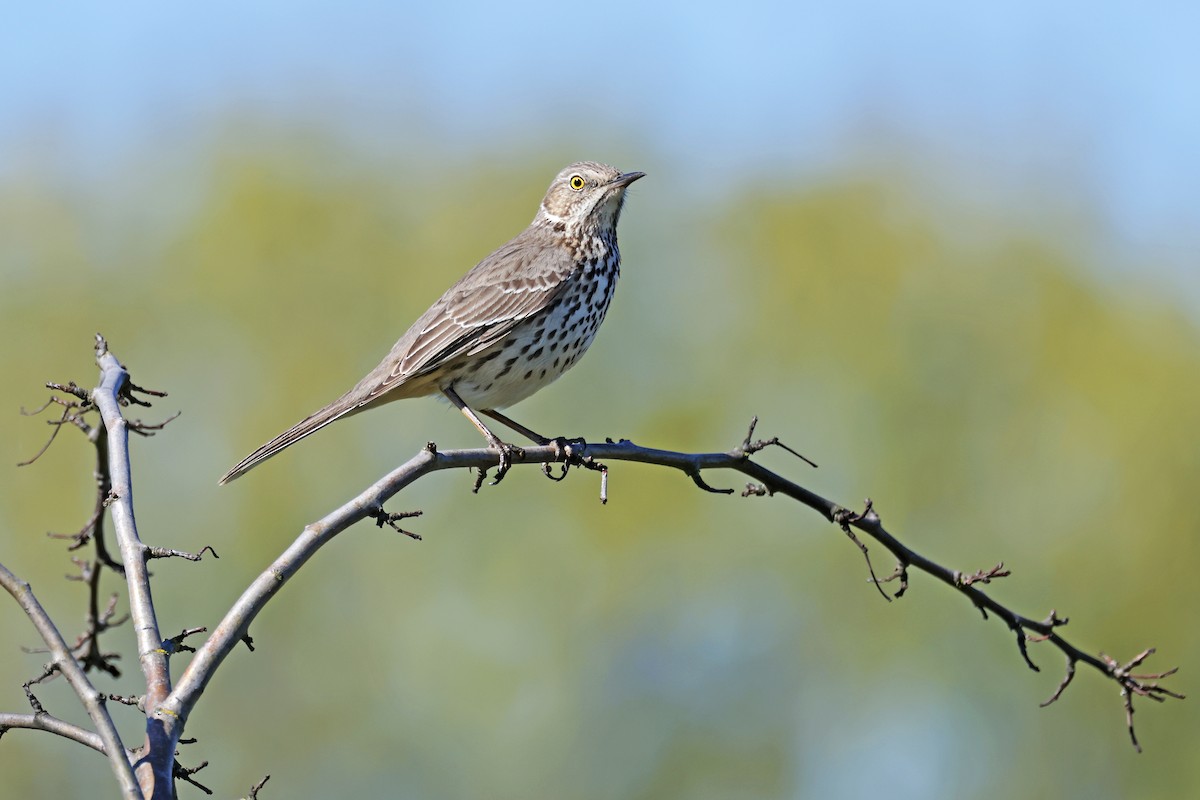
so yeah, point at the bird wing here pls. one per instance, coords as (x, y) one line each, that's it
(512, 284)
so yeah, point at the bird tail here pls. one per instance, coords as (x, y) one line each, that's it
(342, 407)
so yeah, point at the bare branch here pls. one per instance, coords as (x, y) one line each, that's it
(256, 788)
(162, 729)
(167, 552)
(1143, 685)
(51, 724)
(766, 482)
(65, 663)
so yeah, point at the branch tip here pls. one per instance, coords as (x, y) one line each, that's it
(750, 433)
(699, 481)
(981, 576)
(175, 643)
(147, 429)
(72, 414)
(256, 788)
(1062, 686)
(382, 517)
(185, 774)
(749, 447)
(900, 573)
(168, 552)
(1054, 620)
(128, 700)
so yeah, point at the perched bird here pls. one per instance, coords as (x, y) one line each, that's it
(517, 321)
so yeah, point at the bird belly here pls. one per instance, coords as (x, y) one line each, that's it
(538, 350)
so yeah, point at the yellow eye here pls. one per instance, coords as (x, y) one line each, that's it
(576, 182)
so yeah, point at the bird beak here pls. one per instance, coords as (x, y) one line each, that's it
(627, 178)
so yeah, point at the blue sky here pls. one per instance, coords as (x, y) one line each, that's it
(1100, 101)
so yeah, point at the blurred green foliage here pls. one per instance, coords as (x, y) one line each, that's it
(996, 399)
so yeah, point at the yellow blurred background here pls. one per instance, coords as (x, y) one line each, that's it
(1004, 376)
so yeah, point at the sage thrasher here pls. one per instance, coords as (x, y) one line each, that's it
(517, 321)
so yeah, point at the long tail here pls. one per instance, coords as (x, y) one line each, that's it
(341, 407)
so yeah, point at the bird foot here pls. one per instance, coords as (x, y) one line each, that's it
(507, 453)
(568, 453)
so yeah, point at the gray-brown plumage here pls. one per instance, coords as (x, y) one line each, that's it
(517, 321)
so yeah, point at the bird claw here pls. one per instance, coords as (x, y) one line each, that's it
(507, 452)
(564, 453)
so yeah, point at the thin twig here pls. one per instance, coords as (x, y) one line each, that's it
(186, 774)
(256, 788)
(169, 552)
(51, 724)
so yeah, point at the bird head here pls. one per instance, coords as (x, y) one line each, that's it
(585, 195)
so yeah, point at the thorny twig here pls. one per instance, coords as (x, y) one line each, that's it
(72, 415)
(169, 552)
(186, 774)
(750, 448)
(1024, 629)
(844, 519)
(175, 643)
(382, 518)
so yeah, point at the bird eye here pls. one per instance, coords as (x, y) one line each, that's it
(576, 182)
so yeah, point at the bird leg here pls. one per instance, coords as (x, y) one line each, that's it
(507, 451)
(508, 422)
